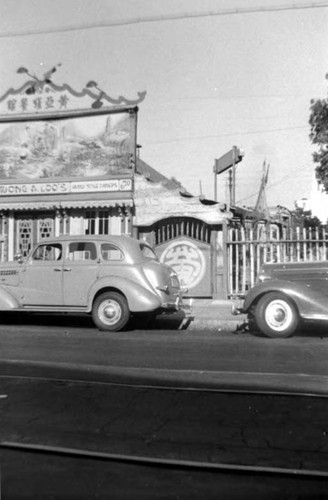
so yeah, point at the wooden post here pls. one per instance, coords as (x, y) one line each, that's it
(225, 280)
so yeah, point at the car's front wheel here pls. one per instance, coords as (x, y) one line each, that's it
(110, 312)
(276, 315)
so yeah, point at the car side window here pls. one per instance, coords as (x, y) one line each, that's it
(81, 251)
(111, 252)
(46, 252)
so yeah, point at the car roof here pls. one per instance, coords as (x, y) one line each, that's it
(122, 239)
(87, 237)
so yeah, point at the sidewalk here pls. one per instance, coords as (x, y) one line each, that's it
(215, 315)
(210, 314)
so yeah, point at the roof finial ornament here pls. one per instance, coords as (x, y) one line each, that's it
(38, 81)
(98, 102)
(102, 95)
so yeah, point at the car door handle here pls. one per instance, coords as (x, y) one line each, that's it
(57, 269)
(67, 269)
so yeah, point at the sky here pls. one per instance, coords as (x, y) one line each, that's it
(217, 73)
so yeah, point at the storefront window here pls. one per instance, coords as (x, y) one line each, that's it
(97, 222)
(103, 222)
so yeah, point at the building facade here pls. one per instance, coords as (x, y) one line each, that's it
(67, 162)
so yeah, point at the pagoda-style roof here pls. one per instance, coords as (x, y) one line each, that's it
(152, 175)
(157, 197)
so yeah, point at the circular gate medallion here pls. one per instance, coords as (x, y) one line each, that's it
(187, 260)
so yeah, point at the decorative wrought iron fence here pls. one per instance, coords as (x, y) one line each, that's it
(174, 227)
(250, 247)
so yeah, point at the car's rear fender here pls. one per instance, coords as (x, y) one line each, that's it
(7, 301)
(308, 302)
(139, 299)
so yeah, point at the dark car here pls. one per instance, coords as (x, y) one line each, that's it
(285, 295)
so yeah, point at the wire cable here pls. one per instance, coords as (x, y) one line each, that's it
(161, 18)
(276, 183)
(229, 134)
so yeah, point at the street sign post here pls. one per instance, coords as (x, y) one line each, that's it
(228, 160)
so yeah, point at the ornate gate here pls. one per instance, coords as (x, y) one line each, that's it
(184, 244)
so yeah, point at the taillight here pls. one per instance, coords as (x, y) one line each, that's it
(175, 283)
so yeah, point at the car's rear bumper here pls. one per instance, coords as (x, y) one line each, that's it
(187, 307)
(178, 305)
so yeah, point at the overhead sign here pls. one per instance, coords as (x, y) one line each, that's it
(54, 139)
(19, 189)
(231, 158)
(79, 145)
(37, 97)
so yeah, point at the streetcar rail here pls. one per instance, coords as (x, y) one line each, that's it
(160, 462)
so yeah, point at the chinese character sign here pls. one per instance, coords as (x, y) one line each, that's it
(36, 103)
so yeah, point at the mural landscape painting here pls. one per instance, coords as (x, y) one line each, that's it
(84, 146)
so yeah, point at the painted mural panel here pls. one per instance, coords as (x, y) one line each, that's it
(191, 260)
(99, 145)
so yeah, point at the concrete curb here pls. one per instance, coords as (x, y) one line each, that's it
(216, 324)
(199, 323)
(216, 314)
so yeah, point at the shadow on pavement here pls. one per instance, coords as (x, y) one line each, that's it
(174, 321)
(46, 319)
(308, 329)
(313, 330)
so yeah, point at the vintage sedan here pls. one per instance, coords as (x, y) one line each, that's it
(110, 277)
(285, 295)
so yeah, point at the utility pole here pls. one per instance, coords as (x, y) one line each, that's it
(233, 177)
(215, 184)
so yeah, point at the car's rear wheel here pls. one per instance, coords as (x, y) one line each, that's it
(276, 315)
(110, 311)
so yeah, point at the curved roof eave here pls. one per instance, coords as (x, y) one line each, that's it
(149, 219)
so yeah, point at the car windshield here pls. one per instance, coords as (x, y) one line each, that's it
(147, 252)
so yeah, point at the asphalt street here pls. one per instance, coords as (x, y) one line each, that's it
(75, 341)
(199, 425)
(272, 432)
(194, 397)
(70, 477)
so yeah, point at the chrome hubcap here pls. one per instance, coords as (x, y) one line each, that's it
(109, 312)
(278, 315)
